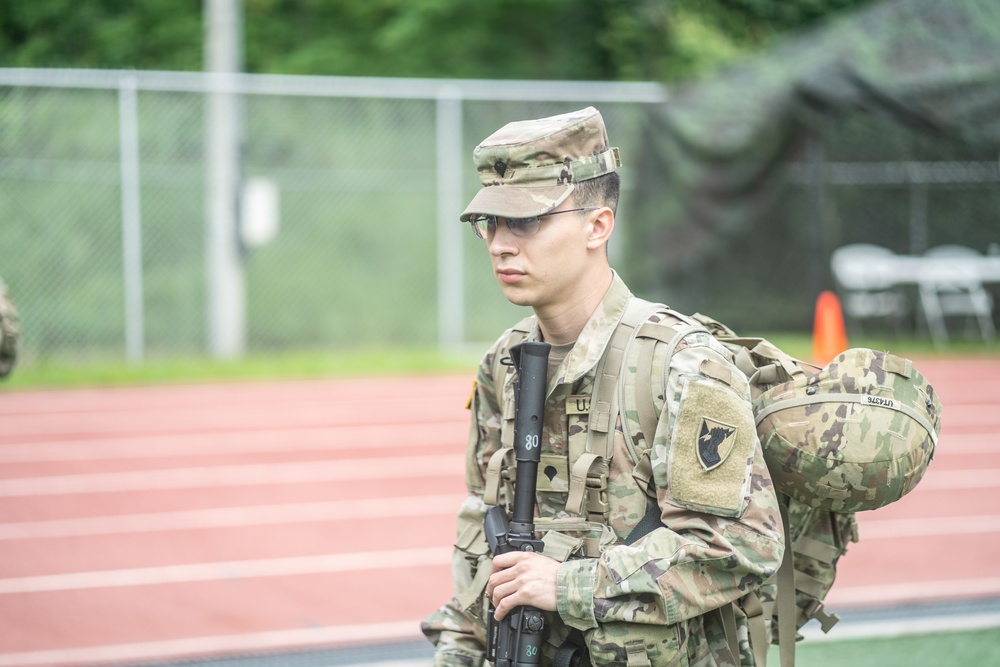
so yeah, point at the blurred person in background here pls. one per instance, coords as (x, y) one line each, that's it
(10, 331)
(546, 214)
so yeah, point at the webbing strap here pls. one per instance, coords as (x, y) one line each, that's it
(578, 482)
(604, 405)
(671, 335)
(824, 553)
(754, 610)
(765, 349)
(809, 585)
(727, 614)
(519, 332)
(644, 399)
(865, 399)
(501, 459)
(787, 610)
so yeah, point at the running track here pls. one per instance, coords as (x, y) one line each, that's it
(165, 522)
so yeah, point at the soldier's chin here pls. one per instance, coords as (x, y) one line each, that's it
(516, 296)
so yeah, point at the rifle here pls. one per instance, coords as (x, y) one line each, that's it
(517, 639)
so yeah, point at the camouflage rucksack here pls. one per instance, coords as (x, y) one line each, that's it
(856, 435)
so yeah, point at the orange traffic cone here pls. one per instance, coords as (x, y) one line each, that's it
(829, 335)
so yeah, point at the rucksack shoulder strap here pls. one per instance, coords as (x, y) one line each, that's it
(605, 405)
(516, 334)
(636, 385)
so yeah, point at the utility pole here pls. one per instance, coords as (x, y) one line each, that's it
(224, 132)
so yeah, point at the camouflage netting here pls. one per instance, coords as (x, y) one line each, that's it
(739, 192)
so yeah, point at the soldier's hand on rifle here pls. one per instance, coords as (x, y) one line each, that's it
(522, 578)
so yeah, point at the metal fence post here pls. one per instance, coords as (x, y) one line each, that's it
(128, 147)
(451, 293)
(224, 129)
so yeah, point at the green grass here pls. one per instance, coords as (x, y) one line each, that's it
(800, 346)
(277, 366)
(103, 371)
(974, 648)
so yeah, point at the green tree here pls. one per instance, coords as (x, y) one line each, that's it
(524, 39)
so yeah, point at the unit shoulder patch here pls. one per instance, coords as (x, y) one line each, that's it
(715, 442)
(711, 449)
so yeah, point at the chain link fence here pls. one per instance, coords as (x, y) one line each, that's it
(360, 172)
(371, 176)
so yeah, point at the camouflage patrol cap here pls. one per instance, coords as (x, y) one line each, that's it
(530, 167)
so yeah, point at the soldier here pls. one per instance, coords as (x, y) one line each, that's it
(9, 332)
(546, 213)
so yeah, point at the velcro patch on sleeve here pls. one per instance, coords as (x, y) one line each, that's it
(711, 451)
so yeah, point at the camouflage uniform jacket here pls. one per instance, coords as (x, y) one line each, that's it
(722, 531)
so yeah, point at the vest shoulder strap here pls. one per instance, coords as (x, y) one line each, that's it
(518, 333)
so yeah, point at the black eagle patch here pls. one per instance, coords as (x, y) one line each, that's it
(715, 442)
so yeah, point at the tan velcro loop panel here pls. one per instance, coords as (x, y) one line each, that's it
(502, 458)
(578, 482)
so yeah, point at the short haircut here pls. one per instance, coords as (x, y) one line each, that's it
(600, 191)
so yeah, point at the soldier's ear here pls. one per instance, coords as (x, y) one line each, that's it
(602, 223)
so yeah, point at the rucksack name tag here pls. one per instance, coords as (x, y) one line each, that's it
(880, 402)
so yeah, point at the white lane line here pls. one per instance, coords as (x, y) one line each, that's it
(190, 646)
(896, 528)
(409, 630)
(228, 570)
(237, 475)
(222, 517)
(903, 627)
(378, 508)
(326, 438)
(947, 480)
(913, 592)
(322, 471)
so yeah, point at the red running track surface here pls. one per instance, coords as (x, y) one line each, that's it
(161, 522)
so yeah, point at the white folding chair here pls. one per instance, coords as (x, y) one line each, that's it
(950, 286)
(866, 277)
